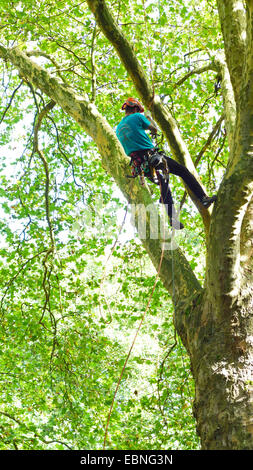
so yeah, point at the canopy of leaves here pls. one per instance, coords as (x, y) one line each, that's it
(68, 315)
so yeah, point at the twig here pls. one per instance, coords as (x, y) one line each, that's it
(211, 136)
(20, 423)
(10, 102)
(36, 149)
(193, 72)
(209, 140)
(93, 65)
(17, 274)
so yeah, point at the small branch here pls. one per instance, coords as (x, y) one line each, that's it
(203, 150)
(93, 65)
(160, 377)
(80, 60)
(47, 56)
(209, 140)
(198, 71)
(101, 289)
(206, 101)
(10, 102)
(228, 99)
(145, 89)
(34, 98)
(36, 149)
(17, 274)
(69, 161)
(47, 270)
(113, 160)
(20, 423)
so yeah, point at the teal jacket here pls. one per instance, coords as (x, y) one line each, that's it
(131, 133)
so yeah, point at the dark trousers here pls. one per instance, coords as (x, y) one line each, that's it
(178, 170)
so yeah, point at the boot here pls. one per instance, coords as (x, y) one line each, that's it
(207, 201)
(176, 224)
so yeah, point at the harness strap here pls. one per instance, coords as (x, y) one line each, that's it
(139, 163)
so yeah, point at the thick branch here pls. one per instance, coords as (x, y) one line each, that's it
(235, 193)
(228, 98)
(233, 25)
(114, 161)
(36, 149)
(93, 65)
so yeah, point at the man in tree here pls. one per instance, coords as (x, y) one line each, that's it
(131, 133)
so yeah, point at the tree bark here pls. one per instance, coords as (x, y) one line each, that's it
(220, 348)
(233, 24)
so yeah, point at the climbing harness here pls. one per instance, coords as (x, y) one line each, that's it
(149, 163)
(152, 164)
(140, 166)
(158, 161)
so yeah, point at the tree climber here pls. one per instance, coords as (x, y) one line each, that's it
(146, 160)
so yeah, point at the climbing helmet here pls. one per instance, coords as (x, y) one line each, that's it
(132, 102)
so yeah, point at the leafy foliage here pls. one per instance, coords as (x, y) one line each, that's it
(68, 317)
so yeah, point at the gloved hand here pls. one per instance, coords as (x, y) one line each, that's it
(147, 114)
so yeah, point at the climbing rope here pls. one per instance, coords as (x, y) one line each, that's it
(149, 56)
(162, 250)
(135, 337)
(101, 288)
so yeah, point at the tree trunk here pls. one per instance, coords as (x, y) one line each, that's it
(220, 349)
